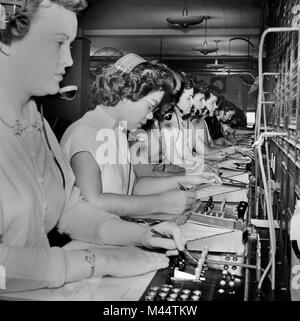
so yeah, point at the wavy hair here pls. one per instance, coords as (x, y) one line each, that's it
(186, 83)
(141, 81)
(18, 24)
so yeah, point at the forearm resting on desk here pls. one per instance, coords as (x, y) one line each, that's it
(129, 205)
(129, 260)
(119, 232)
(115, 261)
(152, 185)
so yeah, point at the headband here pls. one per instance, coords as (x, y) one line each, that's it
(128, 62)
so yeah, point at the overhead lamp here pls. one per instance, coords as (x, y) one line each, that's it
(216, 64)
(185, 20)
(108, 52)
(206, 48)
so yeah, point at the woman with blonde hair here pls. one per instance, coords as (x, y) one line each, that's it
(37, 190)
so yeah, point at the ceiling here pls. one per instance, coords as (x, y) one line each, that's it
(140, 26)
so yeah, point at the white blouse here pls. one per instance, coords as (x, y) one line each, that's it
(112, 155)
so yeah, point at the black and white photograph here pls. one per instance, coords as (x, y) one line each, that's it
(149, 154)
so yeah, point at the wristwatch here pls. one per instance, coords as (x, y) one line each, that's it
(90, 259)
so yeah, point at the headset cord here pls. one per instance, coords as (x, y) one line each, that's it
(50, 149)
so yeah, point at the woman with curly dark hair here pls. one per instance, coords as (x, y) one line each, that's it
(179, 124)
(37, 189)
(97, 146)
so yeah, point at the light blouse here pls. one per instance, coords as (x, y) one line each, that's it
(32, 202)
(178, 134)
(106, 140)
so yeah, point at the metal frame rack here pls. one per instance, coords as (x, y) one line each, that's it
(281, 162)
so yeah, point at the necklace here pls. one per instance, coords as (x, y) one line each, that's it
(18, 127)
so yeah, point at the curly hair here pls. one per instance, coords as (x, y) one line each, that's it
(186, 83)
(207, 93)
(141, 81)
(18, 24)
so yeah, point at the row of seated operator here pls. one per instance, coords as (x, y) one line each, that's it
(100, 172)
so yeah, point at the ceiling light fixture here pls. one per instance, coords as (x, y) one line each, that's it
(185, 20)
(216, 64)
(108, 52)
(206, 48)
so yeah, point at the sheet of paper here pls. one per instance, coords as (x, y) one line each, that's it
(215, 239)
(230, 241)
(96, 289)
(237, 196)
(230, 163)
(227, 191)
(231, 173)
(192, 230)
(232, 194)
(242, 177)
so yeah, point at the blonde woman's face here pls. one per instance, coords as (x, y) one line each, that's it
(41, 57)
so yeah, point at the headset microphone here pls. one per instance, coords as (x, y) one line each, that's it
(68, 92)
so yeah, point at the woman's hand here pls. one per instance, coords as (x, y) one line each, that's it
(245, 151)
(207, 177)
(167, 235)
(176, 201)
(218, 156)
(127, 261)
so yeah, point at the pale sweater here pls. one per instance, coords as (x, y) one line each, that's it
(32, 202)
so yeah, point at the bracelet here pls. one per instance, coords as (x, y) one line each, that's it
(90, 259)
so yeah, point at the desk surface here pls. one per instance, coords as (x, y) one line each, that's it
(96, 289)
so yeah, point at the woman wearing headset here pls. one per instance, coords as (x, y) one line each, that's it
(129, 92)
(35, 193)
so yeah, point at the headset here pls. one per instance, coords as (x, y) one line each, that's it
(66, 93)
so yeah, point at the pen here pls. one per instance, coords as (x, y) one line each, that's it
(183, 188)
(185, 251)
